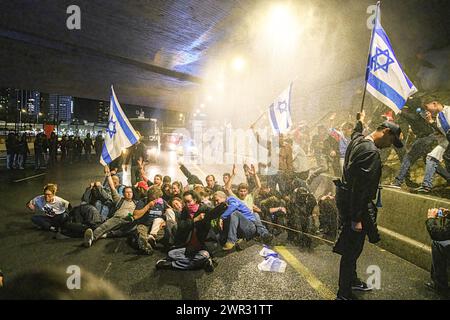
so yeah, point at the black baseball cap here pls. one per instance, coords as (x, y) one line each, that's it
(396, 131)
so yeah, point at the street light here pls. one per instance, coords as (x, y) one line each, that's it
(20, 117)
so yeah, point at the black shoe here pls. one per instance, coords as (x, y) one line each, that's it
(351, 297)
(163, 264)
(209, 265)
(359, 285)
(267, 238)
(443, 292)
(411, 184)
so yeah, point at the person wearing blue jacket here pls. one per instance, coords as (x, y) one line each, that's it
(241, 221)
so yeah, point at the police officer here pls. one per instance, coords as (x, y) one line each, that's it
(355, 195)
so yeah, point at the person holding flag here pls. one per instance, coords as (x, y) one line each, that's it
(279, 149)
(359, 186)
(120, 135)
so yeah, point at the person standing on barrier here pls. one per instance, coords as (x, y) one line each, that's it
(355, 194)
(438, 116)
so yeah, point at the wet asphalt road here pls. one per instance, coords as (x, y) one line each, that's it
(310, 274)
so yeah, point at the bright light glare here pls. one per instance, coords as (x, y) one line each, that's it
(282, 25)
(238, 64)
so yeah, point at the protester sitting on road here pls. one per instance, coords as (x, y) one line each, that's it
(243, 193)
(123, 213)
(438, 226)
(189, 251)
(149, 217)
(211, 184)
(140, 190)
(238, 221)
(167, 191)
(177, 189)
(173, 213)
(50, 210)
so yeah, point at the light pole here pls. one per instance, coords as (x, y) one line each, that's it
(20, 117)
(39, 114)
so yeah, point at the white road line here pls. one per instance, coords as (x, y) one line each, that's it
(31, 177)
(107, 269)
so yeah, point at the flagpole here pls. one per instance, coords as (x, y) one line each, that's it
(368, 59)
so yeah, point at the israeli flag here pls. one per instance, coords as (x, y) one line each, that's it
(385, 79)
(119, 134)
(280, 112)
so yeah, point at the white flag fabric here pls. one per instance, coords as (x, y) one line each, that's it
(280, 112)
(385, 78)
(119, 134)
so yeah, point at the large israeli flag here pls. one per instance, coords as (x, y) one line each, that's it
(280, 112)
(119, 134)
(385, 78)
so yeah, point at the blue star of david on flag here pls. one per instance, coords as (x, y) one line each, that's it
(121, 134)
(385, 78)
(280, 112)
(283, 106)
(377, 60)
(111, 127)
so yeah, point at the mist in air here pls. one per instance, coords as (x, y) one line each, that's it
(320, 46)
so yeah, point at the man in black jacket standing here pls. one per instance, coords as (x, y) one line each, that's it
(438, 226)
(355, 195)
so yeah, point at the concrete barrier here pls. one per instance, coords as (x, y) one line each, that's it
(401, 221)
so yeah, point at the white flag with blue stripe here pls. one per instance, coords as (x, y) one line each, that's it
(385, 78)
(280, 112)
(119, 134)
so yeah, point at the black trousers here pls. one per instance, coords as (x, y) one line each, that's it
(440, 253)
(352, 244)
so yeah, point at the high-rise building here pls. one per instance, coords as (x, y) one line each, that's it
(60, 108)
(29, 101)
(102, 112)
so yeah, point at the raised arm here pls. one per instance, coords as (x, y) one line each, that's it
(139, 213)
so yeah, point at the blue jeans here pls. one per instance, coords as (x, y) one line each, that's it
(45, 222)
(433, 166)
(440, 253)
(420, 148)
(261, 229)
(10, 161)
(240, 226)
(181, 261)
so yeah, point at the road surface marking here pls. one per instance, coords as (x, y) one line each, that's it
(315, 283)
(106, 270)
(31, 177)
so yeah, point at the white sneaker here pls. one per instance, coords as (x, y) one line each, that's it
(104, 236)
(88, 238)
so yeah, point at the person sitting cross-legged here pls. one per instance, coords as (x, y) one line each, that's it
(50, 210)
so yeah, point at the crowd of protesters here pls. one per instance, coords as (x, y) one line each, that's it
(192, 221)
(189, 221)
(48, 150)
